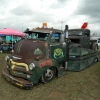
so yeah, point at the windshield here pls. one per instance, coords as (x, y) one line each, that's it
(75, 32)
(38, 36)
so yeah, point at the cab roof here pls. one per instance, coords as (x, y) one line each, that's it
(44, 30)
(79, 29)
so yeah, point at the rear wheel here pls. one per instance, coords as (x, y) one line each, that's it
(48, 75)
(95, 46)
(96, 60)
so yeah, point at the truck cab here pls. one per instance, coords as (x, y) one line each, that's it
(45, 53)
(82, 37)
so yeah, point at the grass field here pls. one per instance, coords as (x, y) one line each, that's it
(84, 85)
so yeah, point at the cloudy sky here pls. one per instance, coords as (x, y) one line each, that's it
(22, 14)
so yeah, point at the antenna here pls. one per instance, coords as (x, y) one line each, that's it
(22, 26)
(61, 24)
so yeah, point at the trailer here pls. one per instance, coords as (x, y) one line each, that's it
(48, 53)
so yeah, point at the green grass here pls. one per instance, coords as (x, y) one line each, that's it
(84, 85)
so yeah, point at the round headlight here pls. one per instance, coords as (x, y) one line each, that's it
(7, 66)
(28, 76)
(7, 58)
(31, 66)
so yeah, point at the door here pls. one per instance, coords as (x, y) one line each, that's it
(86, 39)
(57, 51)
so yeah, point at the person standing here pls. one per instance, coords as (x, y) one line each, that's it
(1, 48)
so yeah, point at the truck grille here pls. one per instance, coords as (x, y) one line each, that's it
(19, 69)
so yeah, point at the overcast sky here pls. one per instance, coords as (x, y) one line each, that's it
(22, 14)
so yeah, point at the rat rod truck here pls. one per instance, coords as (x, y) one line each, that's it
(46, 54)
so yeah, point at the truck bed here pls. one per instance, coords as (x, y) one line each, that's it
(81, 58)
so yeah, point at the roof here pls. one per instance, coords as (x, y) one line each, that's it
(79, 29)
(44, 30)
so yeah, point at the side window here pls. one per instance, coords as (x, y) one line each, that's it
(87, 33)
(55, 37)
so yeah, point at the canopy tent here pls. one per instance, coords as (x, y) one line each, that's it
(8, 31)
(12, 32)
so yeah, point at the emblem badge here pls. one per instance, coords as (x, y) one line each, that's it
(37, 51)
(58, 53)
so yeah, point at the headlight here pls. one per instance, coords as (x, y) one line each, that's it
(31, 66)
(7, 66)
(28, 76)
(7, 58)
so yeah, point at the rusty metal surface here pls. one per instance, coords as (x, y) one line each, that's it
(22, 70)
(46, 30)
(29, 49)
(15, 80)
(76, 49)
(46, 62)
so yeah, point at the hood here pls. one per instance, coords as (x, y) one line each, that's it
(28, 49)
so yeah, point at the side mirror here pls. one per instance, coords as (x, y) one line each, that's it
(62, 38)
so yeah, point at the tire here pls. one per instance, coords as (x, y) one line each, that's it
(48, 75)
(95, 46)
(96, 60)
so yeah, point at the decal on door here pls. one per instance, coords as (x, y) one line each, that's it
(58, 53)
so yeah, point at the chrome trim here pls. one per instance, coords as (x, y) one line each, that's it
(14, 57)
(54, 44)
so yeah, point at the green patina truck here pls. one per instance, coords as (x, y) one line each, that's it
(47, 53)
(83, 37)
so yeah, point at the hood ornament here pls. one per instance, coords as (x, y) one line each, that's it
(16, 58)
(37, 52)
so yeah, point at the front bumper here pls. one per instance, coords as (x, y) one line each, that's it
(20, 82)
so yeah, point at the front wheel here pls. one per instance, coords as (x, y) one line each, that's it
(48, 75)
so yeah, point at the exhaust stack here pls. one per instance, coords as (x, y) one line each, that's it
(67, 46)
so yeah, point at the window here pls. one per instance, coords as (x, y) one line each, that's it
(74, 32)
(55, 37)
(39, 36)
(87, 33)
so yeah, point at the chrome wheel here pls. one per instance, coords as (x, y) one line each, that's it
(48, 75)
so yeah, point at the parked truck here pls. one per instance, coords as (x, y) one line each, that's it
(82, 37)
(46, 54)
